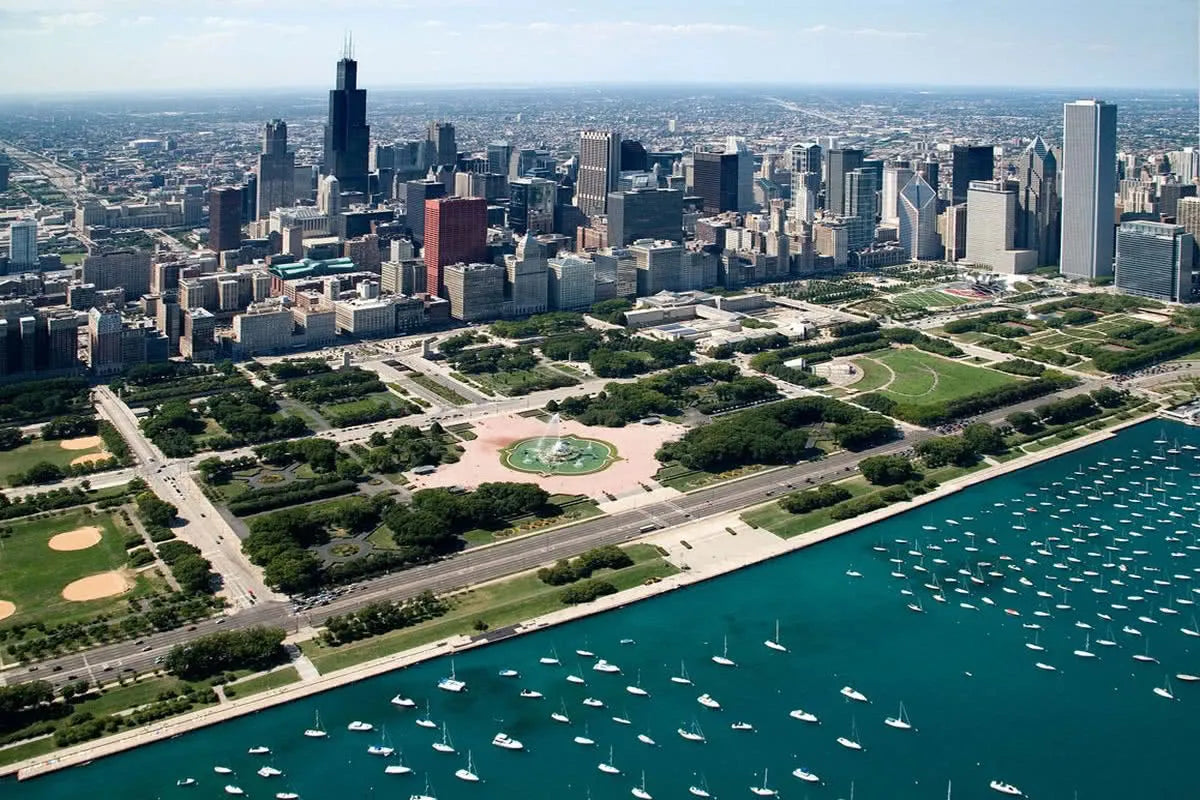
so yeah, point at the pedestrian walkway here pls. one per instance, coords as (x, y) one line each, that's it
(307, 671)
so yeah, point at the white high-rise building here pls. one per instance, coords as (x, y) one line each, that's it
(599, 168)
(918, 220)
(22, 243)
(329, 197)
(745, 171)
(1089, 177)
(894, 180)
(992, 227)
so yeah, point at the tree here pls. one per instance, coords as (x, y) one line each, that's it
(1023, 421)
(887, 470)
(154, 511)
(1107, 397)
(983, 438)
(11, 438)
(946, 450)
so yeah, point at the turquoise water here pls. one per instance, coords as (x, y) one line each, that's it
(982, 710)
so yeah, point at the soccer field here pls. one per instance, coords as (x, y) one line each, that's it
(918, 377)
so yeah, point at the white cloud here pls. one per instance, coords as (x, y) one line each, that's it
(879, 33)
(628, 28)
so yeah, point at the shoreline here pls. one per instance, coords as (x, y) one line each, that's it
(704, 561)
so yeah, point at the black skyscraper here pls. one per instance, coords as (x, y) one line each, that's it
(347, 134)
(974, 163)
(841, 161)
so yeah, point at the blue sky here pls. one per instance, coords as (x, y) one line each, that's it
(119, 45)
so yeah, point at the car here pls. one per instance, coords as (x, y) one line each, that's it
(158, 660)
(221, 621)
(56, 668)
(147, 649)
(191, 627)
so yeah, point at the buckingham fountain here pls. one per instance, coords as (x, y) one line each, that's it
(553, 453)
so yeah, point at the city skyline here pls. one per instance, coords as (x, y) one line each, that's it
(132, 44)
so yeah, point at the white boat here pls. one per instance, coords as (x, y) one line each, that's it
(764, 790)
(805, 775)
(622, 720)
(682, 678)
(316, 731)
(774, 644)
(426, 721)
(1006, 788)
(286, 796)
(592, 702)
(1145, 657)
(585, 654)
(260, 750)
(605, 666)
(853, 573)
(851, 742)
(231, 789)
(269, 772)
(401, 701)
(531, 694)
(1085, 652)
(900, 721)
(724, 660)
(399, 768)
(445, 745)
(640, 791)
(360, 726)
(803, 716)
(853, 694)
(509, 673)
(451, 683)
(467, 773)
(636, 688)
(741, 726)
(426, 795)
(186, 782)
(1035, 645)
(561, 714)
(585, 738)
(550, 660)
(707, 701)
(506, 742)
(1165, 690)
(692, 734)
(701, 790)
(383, 748)
(1187, 678)
(576, 679)
(223, 770)
(609, 767)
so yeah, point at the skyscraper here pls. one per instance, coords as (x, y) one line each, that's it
(633, 156)
(224, 218)
(992, 227)
(455, 231)
(347, 134)
(841, 161)
(441, 136)
(498, 155)
(531, 205)
(22, 243)
(599, 166)
(649, 213)
(806, 179)
(716, 178)
(276, 170)
(1088, 188)
(861, 206)
(1037, 202)
(1156, 260)
(895, 178)
(973, 163)
(415, 194)
(918, 220)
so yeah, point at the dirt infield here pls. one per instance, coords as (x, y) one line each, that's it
(82, 443)
(95, 587)
(7, 609)
(78, 539)
(91, 458)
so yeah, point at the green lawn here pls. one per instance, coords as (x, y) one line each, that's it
(874, 375)
(786, 525)
(518, 382)
(679, 477)
(504, 603)
(362, 404)
(449, 395)
(32, 575)
(22, 458)
(921, 377)
(926, 299)
(20, 752)
(263, 683)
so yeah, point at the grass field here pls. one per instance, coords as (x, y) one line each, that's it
(518, 382)
(262, 683)
(22, 458)
(32, 575)
(504, 603)
(362, 404)
(930, 298)
(449, 395)
(916, 376)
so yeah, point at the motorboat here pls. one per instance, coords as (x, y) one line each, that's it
(400, 701)
(236, 790)
(186, 782)
(509, 673)
(269, 772)
(223, 770)
(741, 726)
(531, 694)
(592, 702)
(506, 742)
(585, 654)
(707, 701)
(644, 738)
(805, 775)
(260, 750)
(853, 694)
(622, 720)
(605, 666)
(1006, 788)
(360, 726)
(287, 796)
(803, 716)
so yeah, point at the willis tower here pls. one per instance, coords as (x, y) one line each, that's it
(347, 133)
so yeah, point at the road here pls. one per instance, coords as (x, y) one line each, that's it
(199, 524)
